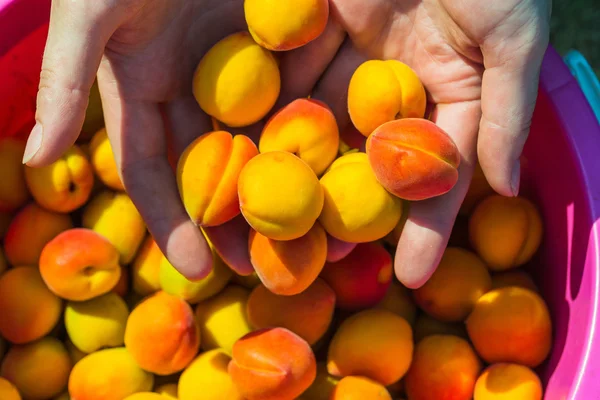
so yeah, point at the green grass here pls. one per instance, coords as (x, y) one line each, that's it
(575, 25)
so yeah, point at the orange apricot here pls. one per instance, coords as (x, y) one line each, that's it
(162, 334)
(413, 158)
(506, 381)
(359, 388)
(8, 391)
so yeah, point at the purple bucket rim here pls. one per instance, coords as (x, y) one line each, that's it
(563, 91)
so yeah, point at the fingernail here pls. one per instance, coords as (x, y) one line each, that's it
(33, 143)
(516, 178)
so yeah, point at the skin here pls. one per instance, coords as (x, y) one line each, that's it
(479, 62)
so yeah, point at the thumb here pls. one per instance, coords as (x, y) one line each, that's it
(77, 35)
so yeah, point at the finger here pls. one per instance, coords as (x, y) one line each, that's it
(337, 249)
(301, 68)
(508, 97)
(333, 86)
(78, 33)
(427, 230)
(231, 243)
(137, 136)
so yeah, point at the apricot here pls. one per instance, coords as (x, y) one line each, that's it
(114, 216)
(361, 279)
(287, 25)
(359, 388)
(162, 334)
(237, 81)
(514, 277)
(288, 267)
(373, 343)
(322, 386)
(272, 363)
(383, 91)
(39, 369)
(338, 249)
(306, 128)
(413, 158)
(168, 390)
(173, 282)
(109, 374)
(208, 375)
(96, 323)
(505, 231)
(479, 189)
(269, 197)
(8, 391)
(426, 325)
(506, 381)
(444, 367)
(460, 279)
(122, 286)
(207, 176)
(103, 160)
(398, 300)
(80, 264)
(308, 314)
(30, 230)
(223, 319)
(511, 324)
(5, 219)
(357, 208)
(145, 270)
(63, 186)
(13, 187)
(29, 309)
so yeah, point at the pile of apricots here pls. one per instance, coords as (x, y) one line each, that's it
(90, 308)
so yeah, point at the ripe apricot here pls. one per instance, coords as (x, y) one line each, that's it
(506, 381)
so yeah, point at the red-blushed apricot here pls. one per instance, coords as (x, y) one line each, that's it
(162, 334)
(287, 25)
(443, 367)
(207, 375)
(505, 231)
(237, 81)
(30, 230)
(305, 127)
(413, 158)
(39, 369)
(145, 271)
(361, 279)
(109, 374)
(514, 277)
(511, 324)
(338, 249)
(5, 219)
(29, 309)
(288, 267)
(426, 325)
(13, 188)
(359, 388)
(80, 264)
(460, 279)
(505, 381)
(223, 318)
(322, 386)
(97, 323)
(479, 189)
(398, 300)
(374, 343)
(8, 391)
(356, 207)
(207, 176)
(272, 363)
(64, 185)
(114, 216)
(308, 314)
(103, 160)
(382, 91)
(269, 197)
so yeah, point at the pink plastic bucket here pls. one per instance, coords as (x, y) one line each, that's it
(561, 172)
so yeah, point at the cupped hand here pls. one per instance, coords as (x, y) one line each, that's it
(478, 61)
